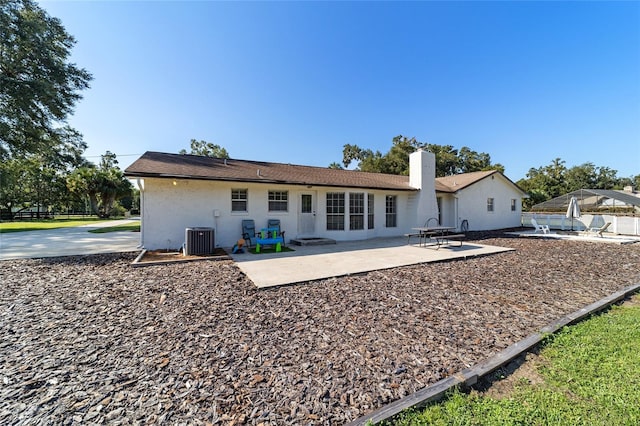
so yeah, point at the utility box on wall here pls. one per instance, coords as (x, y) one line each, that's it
(199, 241)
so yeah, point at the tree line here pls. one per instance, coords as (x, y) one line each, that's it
(541, 183)
(547, 182)
(449, 160)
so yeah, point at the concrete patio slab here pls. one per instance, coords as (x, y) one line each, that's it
(309, 263)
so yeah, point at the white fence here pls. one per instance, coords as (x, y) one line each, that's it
(624, 225)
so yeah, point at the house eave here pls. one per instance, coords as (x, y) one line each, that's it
(264, 181)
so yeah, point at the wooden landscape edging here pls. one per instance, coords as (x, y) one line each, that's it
(470, 376)
(137, 262)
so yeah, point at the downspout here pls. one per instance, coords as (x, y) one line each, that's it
(140, 184)
(455, 212)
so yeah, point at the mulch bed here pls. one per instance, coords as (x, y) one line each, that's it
(89, 339)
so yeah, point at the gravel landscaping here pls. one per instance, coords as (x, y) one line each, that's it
(90, 339)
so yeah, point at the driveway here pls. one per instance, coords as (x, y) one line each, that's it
(68, 241)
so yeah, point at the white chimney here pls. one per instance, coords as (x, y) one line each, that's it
(422, 176)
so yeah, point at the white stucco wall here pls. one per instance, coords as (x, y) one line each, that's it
(171, 205)
(472, 204)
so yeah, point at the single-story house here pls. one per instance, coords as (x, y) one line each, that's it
(179, 191)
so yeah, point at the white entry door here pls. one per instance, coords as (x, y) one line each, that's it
(307, 215)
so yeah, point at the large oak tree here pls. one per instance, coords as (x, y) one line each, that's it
(39, 86)
(449, 161)
(207, 149)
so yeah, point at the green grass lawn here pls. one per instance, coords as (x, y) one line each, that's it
(38, 225)
(590, 376)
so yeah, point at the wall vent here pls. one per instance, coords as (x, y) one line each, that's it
(199, 241)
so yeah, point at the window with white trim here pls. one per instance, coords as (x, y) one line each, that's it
(490, 205)
(356, 211)
(514, 205)
(335, 211)
(370, 211)
(239, 200)
(391, 220)
(278, 201)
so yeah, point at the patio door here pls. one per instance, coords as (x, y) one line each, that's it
(307, 215)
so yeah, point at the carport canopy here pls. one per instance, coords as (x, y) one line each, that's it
(592, 200)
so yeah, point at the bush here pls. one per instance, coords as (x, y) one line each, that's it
(118, 210)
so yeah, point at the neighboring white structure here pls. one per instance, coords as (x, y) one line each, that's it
(180, 191)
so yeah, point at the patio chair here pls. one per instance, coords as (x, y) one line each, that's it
(432, 221)
(248, 231)
(275, 223)
(542, 228)
(599, 230)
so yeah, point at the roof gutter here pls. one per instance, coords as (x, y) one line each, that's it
(263, 180)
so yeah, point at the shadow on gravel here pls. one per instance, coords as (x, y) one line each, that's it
(500, 233)
(101, 259)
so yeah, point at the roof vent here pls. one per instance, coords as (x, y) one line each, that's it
(258, 172)
(225, 161)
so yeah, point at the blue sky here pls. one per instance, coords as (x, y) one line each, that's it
(526, 82)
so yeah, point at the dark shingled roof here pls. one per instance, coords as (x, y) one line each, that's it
(164, 165)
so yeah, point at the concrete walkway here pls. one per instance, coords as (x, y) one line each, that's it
(68, 241)
(344, 258)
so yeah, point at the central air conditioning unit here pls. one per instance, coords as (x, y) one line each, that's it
(198, 241)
